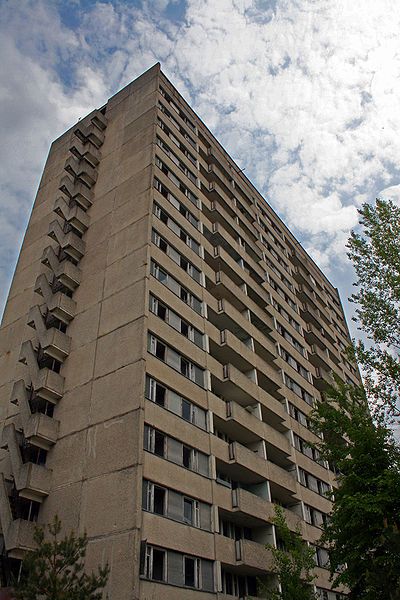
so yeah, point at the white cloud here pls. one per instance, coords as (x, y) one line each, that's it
(304, 94)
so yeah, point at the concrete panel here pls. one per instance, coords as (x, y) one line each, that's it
(122, 308)
(119, 348)
(117, 393)
(78, 368)
(133, 267)
(131, 211)
(67, 459)
(161, 531)
(136, 184)
(65, 502)
(121, 553)
(127, 240)
(98, 232)
(84, 327)
(73, 410)
(113, 445)
(109, 504)
(171, 475)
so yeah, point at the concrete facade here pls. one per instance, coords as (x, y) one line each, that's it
(163, 341)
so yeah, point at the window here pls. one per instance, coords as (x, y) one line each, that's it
(176, 256)
(298, 390)
(154, 498)
(176, 160)
(176, 181)
(191, 567)
(288, 336)
(306, 449)
(155, 563)
(191, 512)
(313, 483)
(294, 363)
(163, 396)
(173, 319)
(175, 287)
(189, 457)
(186, 410)
(322, 557)
(298, 415)
(177, 142)
(154, 441)
(177, 229)
(175, 360)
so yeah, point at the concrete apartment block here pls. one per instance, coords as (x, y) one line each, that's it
(164, 339)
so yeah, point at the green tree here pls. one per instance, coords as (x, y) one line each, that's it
(375, 254)
(55, 569)
(293, 562)
(362, 532)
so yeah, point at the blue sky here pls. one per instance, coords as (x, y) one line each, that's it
(304, 94)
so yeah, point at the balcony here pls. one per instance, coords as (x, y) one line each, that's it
(69, 242)
(47, 384)
(87, 151)
(226, 217)
(308, 296)
(321, 358)
(76, 190)
(54, 342)
(39, 428)
(218, 195)
(68, 274)
(257, 510)
(74, 215)
(322, 379)
(59, 304)
(310, 314)
(321, 337)
(245, 556)
(229, 349)
(89, 132)
(246, 428)
(225, 316)
(31, 480)
(255, 557)
(18, 533)
(248, 467)
(236, 386)
(301, 276)
(81, 170)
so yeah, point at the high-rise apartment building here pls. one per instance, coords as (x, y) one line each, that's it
(164, 339)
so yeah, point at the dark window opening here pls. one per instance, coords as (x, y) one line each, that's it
(159, 443)
(186, 410)
(159, 500)
(160, 395)
(190, 579)
(186, 456)
(158, 564)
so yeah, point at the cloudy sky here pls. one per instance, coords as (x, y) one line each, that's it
(304, 94)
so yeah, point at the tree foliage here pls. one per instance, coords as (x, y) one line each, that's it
(55, 570)
(293, 562)
(362, 531)
(375, 254)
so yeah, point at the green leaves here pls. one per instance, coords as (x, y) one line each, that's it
(293, 562)
(376, 259)
(363, 529)
(55, 570)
